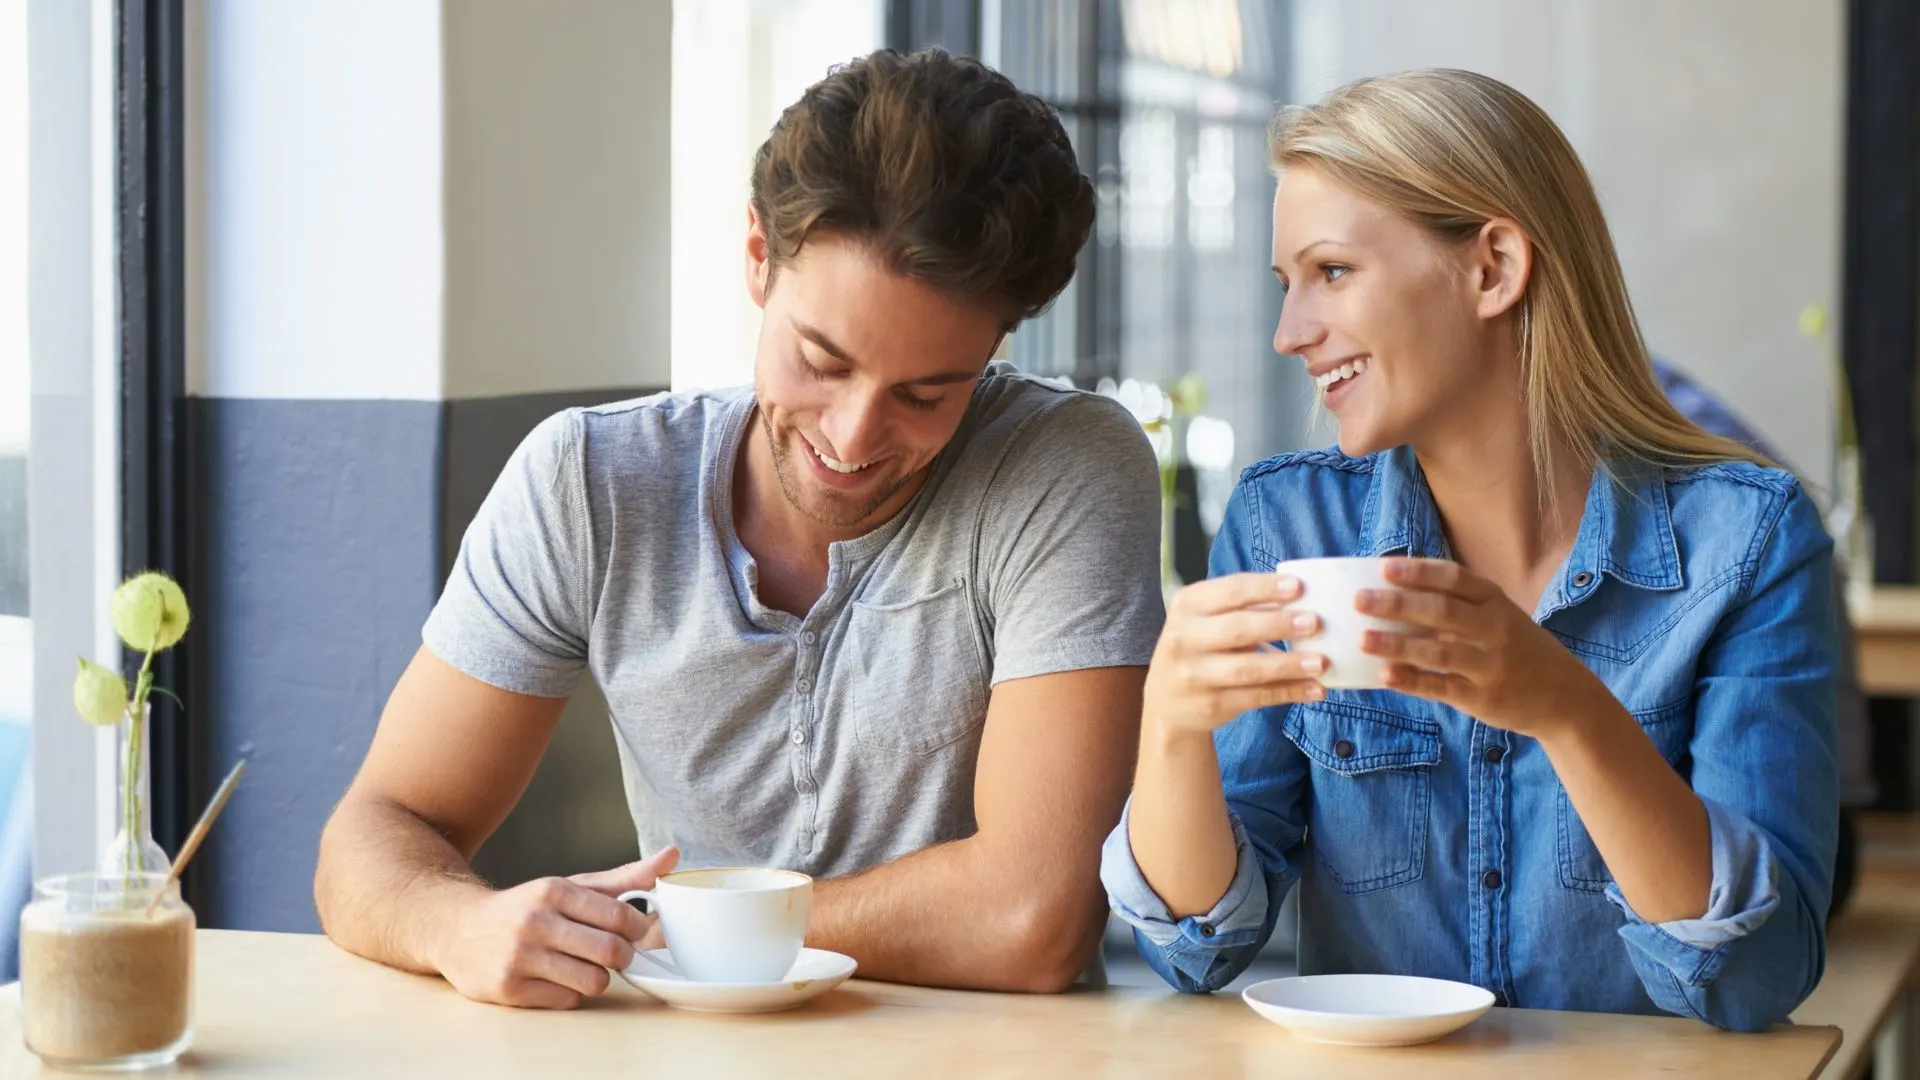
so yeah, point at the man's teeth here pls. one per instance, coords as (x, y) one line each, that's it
(1344, 371)
(831, 463)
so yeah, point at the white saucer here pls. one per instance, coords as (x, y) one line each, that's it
(814, 973)
(1368, 1010)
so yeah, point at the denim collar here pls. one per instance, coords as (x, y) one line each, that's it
(1626, 529)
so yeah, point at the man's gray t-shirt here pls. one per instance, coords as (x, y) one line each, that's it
(848, 738)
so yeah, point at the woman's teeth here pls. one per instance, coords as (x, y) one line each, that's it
(1344, 371)
(832, 463)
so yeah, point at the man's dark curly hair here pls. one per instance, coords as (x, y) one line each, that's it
(937, 165)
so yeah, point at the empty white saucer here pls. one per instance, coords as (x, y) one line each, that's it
(1368, 1010)
(814, 973)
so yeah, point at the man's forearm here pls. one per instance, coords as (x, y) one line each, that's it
(385, 878)
(956, 915)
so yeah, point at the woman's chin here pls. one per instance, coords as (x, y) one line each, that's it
(1358, 444)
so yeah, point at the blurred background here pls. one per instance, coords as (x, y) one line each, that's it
(283, 283)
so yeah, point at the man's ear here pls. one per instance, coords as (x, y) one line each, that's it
(759, 265)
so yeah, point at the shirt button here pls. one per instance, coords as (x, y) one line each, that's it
(799, 737)
(1494, 754)
(1491, 879)
(805, 684)
(1206, 929)
(1582, 579)
(805, 787)
(809, 637)
(1343, 749)
(1499, 1000)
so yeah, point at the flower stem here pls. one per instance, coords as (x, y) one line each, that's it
(136, 718)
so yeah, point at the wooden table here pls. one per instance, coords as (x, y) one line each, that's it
(294, 1005)
(1887, 619)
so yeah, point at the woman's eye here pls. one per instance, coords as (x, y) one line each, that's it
(1335, 271)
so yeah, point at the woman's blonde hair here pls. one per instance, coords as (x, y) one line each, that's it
(1450, 150)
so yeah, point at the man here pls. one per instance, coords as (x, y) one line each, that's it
(882, 619)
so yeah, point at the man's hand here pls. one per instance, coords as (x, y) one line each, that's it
(547, 944)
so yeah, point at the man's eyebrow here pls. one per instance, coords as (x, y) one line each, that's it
(945, 378)
(823, 341)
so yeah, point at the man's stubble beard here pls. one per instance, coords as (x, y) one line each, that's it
(783, 471)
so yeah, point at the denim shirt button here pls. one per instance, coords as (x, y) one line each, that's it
(1499, 1000)
(1343, 749)
(1206, 929)
(1495, 753)
(1491, 879)
(1582, 579)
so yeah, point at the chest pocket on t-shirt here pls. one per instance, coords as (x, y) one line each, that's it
(914, 676)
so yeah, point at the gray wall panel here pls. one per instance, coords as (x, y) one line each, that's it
(324, 531)
(318, 534)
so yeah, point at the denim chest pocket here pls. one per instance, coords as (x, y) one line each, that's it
(1371, 791)
(1581, 867)
(912, 672)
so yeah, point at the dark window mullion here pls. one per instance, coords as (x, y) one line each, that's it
(153, 443)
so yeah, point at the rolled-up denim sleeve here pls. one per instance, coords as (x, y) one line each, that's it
(1200, 953)
(1764, 766)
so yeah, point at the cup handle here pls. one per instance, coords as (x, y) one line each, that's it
(642, 960)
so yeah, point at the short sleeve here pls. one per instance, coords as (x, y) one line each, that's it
(1071, 543)
(514, 612)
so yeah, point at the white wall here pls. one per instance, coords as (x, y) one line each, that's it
(426, 199)
(315, 196)
(557, 195)
(1713, 130)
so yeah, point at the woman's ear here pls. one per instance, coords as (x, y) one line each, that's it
(1503, 261)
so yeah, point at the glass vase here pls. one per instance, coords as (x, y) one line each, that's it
(132, 849)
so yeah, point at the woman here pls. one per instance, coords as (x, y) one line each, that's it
(1602, 774)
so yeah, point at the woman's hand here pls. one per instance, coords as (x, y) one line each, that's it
(1481, 655)
(1214, 660)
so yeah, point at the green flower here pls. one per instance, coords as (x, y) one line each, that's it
(100, 694)
(150, 612)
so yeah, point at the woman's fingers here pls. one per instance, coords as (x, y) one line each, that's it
(1431, 653)
(1432, 685)
(1440, 576)
(1245, 699)
(1231, 593)
(1250, 669)
(1249, 628)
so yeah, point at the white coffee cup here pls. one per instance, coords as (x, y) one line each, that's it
(731, 924)
(1329, 588)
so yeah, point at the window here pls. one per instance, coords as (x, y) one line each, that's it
(1167, 104)
(58, 329)
(16, 632)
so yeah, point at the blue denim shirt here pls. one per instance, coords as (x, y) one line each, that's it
(1436, 845)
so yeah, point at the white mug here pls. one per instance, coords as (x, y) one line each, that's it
(1328, 590)
(731, 925)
